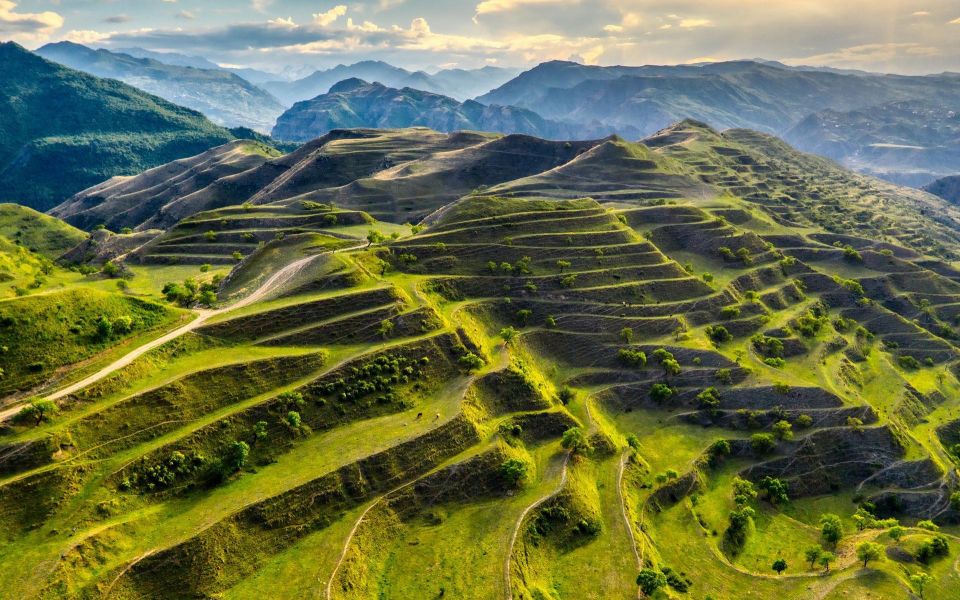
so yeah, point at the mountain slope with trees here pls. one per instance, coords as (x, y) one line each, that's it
(62, 130)
(225, 98)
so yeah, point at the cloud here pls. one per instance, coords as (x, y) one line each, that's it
(27, 27)
(921, 13)
(488, 7)
(325, 19)
(185, 14)
(388, 4)
(694, 23)
(628, 21)
(117, 19)
(261, 6)
(955, 21)
(85, 36)
(867, 54)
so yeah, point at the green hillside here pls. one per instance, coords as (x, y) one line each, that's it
(703, 365)
(37, 232)
(89, 128)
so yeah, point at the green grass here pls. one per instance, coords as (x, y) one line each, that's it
(41, 334)
(37, 232)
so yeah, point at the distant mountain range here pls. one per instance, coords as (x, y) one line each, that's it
(907, 142)
(62, 130)
(254, 76)
(456, 83)
(356, 103)
(226, 98)
(901, 128)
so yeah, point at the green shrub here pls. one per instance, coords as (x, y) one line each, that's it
(762, 443)
(575, 440)
(632, 358)
(718, 334)
(513, 472)
(660, 393)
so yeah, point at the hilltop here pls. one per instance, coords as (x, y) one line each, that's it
(88, 128)
(414, 364)
(225, 98)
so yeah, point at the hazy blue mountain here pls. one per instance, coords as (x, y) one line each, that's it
(767, 97)
(911, 143)
(254, 76)
(356, 103)
(224, 97)
(62, 130)
(456, 83)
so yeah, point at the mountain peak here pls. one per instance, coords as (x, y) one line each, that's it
(348, 85)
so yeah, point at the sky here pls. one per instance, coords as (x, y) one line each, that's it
(913, 37)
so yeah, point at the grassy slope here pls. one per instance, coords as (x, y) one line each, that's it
(37, 232)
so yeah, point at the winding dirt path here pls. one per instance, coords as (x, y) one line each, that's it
(202, 316)
(516, 528)
(626, 516)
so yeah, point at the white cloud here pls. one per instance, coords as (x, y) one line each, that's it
(328, 18)
(27, 27)
(488, 7)
(694, 23)
(261, 5)
(922, 13)
(955, 21)
(628, 21)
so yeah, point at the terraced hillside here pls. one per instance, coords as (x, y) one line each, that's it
(658, 368)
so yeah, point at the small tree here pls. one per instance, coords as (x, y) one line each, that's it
(104, 328)
(626, 334)
(259, 431)
(825, 559)
(651, 580)
(779, 566)
(670, 367)
(294, 420)
(783, 430)
(385, 328)
(38, 411)
(374, 237)
(513, 471)
(660, 392)
(831, 528)
(471, 361)
(919, 581)
(869, 551)
(235, 457)
(508, 333)
(762, 443)
(813, 554)
(575, 441)
(775, 489)
(563, 264)
(896, 532)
